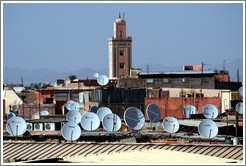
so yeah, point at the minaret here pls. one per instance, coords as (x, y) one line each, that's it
(120, 51)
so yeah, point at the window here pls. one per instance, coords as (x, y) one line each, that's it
(165, 80)
(121, 52)
(122, 65)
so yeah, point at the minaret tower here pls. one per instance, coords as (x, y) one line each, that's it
(120, 51)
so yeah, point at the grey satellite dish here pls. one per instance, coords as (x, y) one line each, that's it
(14, 108)
(73, 116)
(102, 80)
(96, 75)
(153, 113)
(111, 122)
(170, 124)
(210, 111)
(102, 112)
(239, 107)
(75, 106)
(134, 118)
(240, 91)
(188, 110)
(94, 109)
(90, 121)
(16, 126)
(207, 128)
(71, 131)
(10, 115)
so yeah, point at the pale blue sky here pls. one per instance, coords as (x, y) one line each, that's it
(65, 37)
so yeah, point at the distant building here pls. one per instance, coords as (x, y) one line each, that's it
(120, 51)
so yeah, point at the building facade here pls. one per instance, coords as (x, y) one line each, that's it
(120, 51)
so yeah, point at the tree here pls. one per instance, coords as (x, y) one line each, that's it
(72, 77)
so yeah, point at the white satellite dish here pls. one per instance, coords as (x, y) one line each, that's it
(240, 91)
(72, 105)
(90, 121)
(16, 126)
(10, 115)
(210, 111)
(102, 112)
(111, 122)
(188, 110)
(73, 116)
(208, 128)
(102, 80)
(44, 113)
(94, 109)
(239, 107)
(134, 118)
(153, 113)
(170, 124)
(95, 75)
(71, 131)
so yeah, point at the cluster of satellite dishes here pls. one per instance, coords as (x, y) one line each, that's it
(101, 79)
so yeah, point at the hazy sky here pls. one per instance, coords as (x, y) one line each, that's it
(65, 37)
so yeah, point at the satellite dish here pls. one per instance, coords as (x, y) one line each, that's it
(210, 111)
(208, 128)
(239, 107)
(44, 113)
(72, 105)
(14, 108)
(94, 109)
(10, 115)
(73, 116)
(170, 124)
(102, 80)
(134, 118)
(153, 113)
(71, 131)
(96, 75)
(188, 110)
(240, 91)
(102, 112)
(16, 126)
(90, 121)
(111, 122)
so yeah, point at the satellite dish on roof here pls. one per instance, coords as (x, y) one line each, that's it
(72, 105)
(14, 108)
(208, 128)
(210, 111)
(240, 91)
(102, 112)
(90, 121)
(16, 126)
(102, 80)
(96, 75)
(153, 113)
(10, 115)
(44, 113)
(170, 124)
(73, 116)
(239, 107)
(188, 110)
(71, 131)
(111, 122)
(134, 118)
(94, 109)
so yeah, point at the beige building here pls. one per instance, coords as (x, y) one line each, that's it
(120, 51)
(12, 101)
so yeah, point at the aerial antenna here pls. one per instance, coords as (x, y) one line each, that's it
(123, 16)
(223, 65)
(119, 15)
